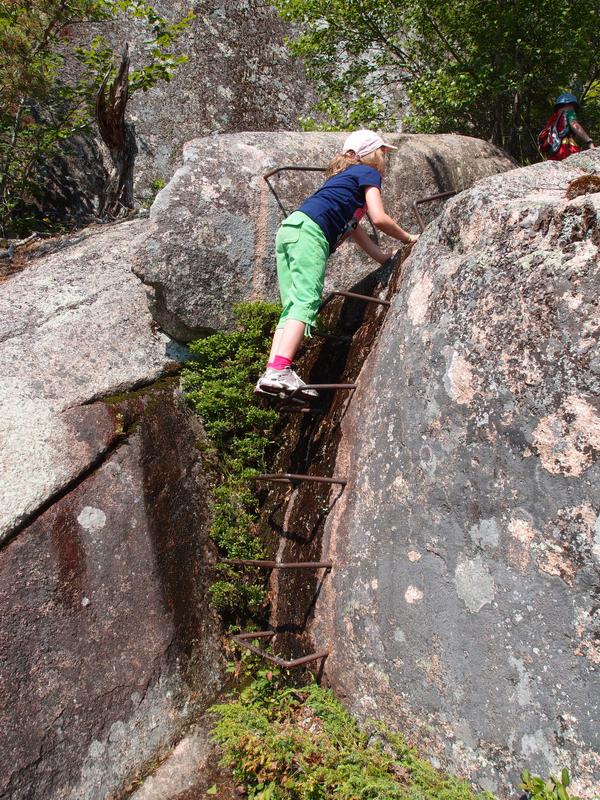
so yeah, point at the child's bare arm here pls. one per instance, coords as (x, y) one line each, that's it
(382, 220)
(364, 241)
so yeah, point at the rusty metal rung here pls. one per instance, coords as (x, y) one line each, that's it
(350, 387)
(249, 562)
(429, 199)
(242, 640)
(366, 297)
(288, 477)
(300, 409)
(295, 168)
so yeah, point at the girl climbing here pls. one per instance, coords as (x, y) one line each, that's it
(310, 234)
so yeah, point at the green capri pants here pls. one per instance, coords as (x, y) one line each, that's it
(302, 252)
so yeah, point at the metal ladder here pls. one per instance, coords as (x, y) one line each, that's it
(245, 639)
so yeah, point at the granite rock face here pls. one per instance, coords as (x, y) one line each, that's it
(213, 227)
(74, 326)
(463, 605)
(239, 76)
(109, 641)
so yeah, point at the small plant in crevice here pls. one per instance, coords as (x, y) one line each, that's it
(219, 382)
(537, 788)
(299, 743)
(154, 187)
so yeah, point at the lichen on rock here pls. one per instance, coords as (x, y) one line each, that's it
(481, 399)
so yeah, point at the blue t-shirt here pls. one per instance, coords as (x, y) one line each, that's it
(333, 207)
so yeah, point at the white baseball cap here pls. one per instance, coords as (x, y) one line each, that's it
(364, 142)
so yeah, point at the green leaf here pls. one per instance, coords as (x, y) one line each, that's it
(213, 789)
(484, 69)
(561, 792)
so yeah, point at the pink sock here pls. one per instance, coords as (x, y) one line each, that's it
(280, 362)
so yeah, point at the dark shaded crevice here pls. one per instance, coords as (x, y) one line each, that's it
(170, 370)
(294, 519)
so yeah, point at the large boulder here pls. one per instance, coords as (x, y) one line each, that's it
(463, 604)
(213, 227)
(110, 645)
(109, 642)
(74, 326)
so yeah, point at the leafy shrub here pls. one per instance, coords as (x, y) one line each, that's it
(50, 76)
(552, 789)
(287, 743)
(218, 382)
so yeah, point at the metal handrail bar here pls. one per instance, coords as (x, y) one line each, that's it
(429, 199)
(294, 168)
(367, 298)
(242, 639)
(281, 169)
(322, 386)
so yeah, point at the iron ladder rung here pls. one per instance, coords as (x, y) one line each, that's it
(429, 199)
(366, 297)
(243, 639)
(289, 477)
(337, 387)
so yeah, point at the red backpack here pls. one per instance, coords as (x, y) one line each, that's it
(553, 132)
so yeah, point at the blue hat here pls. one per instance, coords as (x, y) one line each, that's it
(565, 98)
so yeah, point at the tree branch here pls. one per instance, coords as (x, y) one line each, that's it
(454, 53)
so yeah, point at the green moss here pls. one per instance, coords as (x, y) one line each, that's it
(150, 390)
(219, 383)
(291, 743)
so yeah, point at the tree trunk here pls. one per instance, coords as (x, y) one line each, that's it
(119, 137)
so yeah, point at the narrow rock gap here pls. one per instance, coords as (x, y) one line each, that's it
(294, 518)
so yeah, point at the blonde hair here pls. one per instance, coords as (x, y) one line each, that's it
(339, 163)
(376, 159)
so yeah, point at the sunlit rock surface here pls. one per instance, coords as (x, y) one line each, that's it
(109, 645)
(74, 325)
(211, 243)
(463, 604)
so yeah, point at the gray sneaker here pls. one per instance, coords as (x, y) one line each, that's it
(282, 382)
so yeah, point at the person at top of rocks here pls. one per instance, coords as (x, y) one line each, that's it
(558, 138)
(306, 239)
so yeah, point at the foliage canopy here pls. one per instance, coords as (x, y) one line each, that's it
(487, 68)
